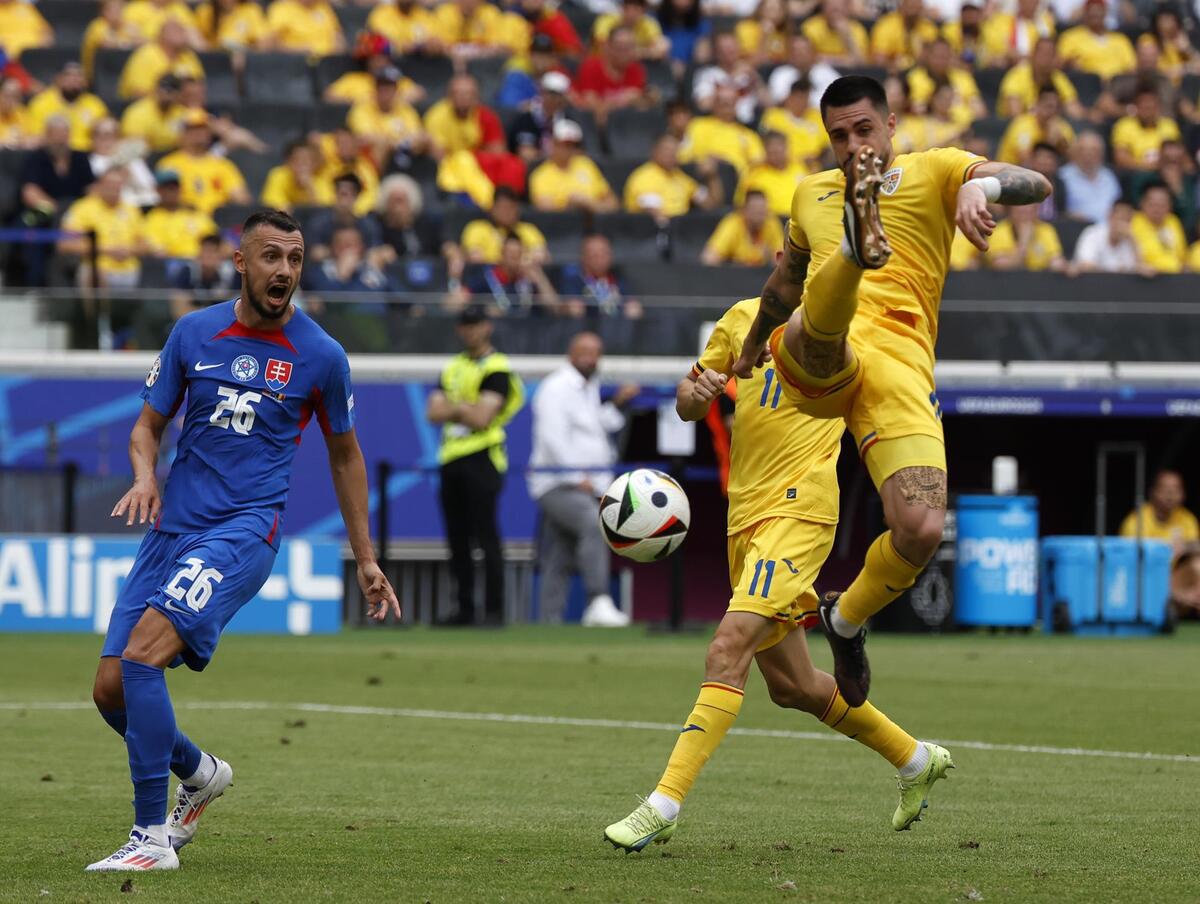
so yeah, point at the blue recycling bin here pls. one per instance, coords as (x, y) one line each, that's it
(996, 564)
(1071, 600)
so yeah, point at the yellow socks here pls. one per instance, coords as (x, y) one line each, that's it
(885, 575)
(831, 298)
(714, 712)
(870, 727)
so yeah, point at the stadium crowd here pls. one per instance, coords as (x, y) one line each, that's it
(502, 152)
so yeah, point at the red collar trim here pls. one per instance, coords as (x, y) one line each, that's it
(239, 331)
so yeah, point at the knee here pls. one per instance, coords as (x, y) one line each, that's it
(107, 693)
(796, 695)
(917, 533)
(728, 658)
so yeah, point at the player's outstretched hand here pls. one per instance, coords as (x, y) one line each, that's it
(973, 217)
(378, 592)
(142, 503)
(754, 354)
(709, 385)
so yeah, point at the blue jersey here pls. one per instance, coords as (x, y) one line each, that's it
(249, 394)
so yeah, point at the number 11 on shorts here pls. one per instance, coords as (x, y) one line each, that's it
(761, 566)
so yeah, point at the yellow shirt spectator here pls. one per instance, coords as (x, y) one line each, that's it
(1141, 143)
(206, 182)
(451, 133)
(398, 125)
(772, 47)
(177, 233)
(404, 30)
(1004, 35)
(963, 255)
(1181, 526)
(1104, 55)
(116, 228)
(778, 185)
(149, 63)
(159, 128)
(314, 29)
(921, 87)
(732, 241)
(707, 136)
(515, 34)
(552, 187)
(483, 28)
(646, 33)
(1161, 247)
(829, 43)
(102, 33)
(1042, 250)
(21, 27)
(15, 127)
(654, 189)
(912, 135)
(899, 46)
(806, 135)
(1193, 258)
(81, 113)
(482, 240)
(333, 166)
(1024, 132)
(245, 26)
(356, 87)
(284, 191)
(1018, 85)
(148, 17)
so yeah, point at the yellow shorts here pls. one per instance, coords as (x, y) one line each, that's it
(887, 399)
(772, 566)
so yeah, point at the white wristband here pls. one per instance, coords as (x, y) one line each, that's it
(990, 186)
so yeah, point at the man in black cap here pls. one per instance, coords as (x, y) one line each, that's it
(477, 396)
(531, 133)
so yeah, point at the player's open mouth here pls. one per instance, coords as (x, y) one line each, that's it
(277, 292)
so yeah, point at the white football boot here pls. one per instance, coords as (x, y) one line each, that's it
(141, 853)
(185, 817)
(602, 612)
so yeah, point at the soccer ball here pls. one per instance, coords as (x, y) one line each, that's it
(644, 515)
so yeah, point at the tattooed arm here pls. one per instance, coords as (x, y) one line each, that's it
(780, 297)
(1018, 186)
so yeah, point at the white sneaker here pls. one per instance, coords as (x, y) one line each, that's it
(602, 612)
(185, 817)
(141, 853)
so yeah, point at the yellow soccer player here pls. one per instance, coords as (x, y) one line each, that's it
(783, 510)
(875, 236)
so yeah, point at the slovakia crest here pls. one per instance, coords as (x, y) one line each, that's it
(891, 181)
(244, 368)
(277, 374)
(155, 370)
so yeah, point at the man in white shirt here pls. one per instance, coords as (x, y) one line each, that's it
(1091, 187)
(729, 70)
(802, 61)
(1108, 247)
(572, 429)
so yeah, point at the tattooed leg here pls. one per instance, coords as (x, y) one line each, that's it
(914, 504)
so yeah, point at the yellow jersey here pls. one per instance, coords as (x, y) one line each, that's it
(81, 113)
(652, 188)
(921, 87)
(400, 124)
(782, 463)
(1004, 35)
(244, 27)
(149, 63)
(22, 27)
(314, 30)
(963, 255)
(1143, 144)
(160, 129)
(1023, 133)
(1042, 250)
(1104, 55)
(333, 166)
(827, 42)
(148, 17)
(646, 33)
(893, 41)
(707, 136)
(1181, 525)
(99, 33)
(451, 133)
(403, 30)
(806, 135)
(177, 233)
(777, 184)
(917, 204)
(734, 243)
(551, 187)
(1161, 247)
(482, 240)
(206, 182)
(484, 27)
(15, 127)
(753, 40)
(1192, 261)
(281, 190)
(1018, 85)
(116, 228)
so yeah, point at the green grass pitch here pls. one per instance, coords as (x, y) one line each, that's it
(362, 807)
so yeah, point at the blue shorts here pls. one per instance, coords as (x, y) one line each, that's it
(198, 581)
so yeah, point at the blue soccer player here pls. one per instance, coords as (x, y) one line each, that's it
(253, 372)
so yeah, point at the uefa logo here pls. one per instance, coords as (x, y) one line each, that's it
(244, 368)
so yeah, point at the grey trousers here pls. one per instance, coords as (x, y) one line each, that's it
(570, 541)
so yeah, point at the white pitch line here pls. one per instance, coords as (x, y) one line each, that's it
(525, 719)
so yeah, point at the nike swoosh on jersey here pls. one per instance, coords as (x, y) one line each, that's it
(200, 366)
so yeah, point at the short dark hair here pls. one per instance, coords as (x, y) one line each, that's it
(1154, 185)
(754, 193)
(1046, 146)
(504, 193)
(1145, 87)
(213, 238)
(850, 89)
(1048, 89)
(349, 178)
(276, 219)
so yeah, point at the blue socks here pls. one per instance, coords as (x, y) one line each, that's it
(150, 735)
(185, 755)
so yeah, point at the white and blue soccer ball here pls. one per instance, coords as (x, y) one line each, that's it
(644, 515)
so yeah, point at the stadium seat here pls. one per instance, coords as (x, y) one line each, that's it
(631, 133)
(988, 80)
(353, 19)
(430, 72)
(254, 168)
(690, 233)
(70, 19)
(109, 64)
(276, 124)
(563, 231)
(154, 273)
(329, 69)
(327, 117)
(275, 78)
(634, 236)
(1087, 85)
(582, 18)
(616, 172)
(11, 164)
(660, 76)
(232, 216)
(1068, 234)
(44, 63)
(489, 72)
(991, 129)
(727, 174)
(219, 79)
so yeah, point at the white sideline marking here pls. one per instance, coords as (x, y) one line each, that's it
(524, 719)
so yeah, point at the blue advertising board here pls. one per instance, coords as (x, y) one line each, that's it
(71, 583)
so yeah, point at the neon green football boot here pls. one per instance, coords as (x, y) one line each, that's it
(639, 828)
(914, 793)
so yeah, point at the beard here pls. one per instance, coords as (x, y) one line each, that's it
(262, 309)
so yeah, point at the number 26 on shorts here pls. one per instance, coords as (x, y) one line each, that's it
(202, 579)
